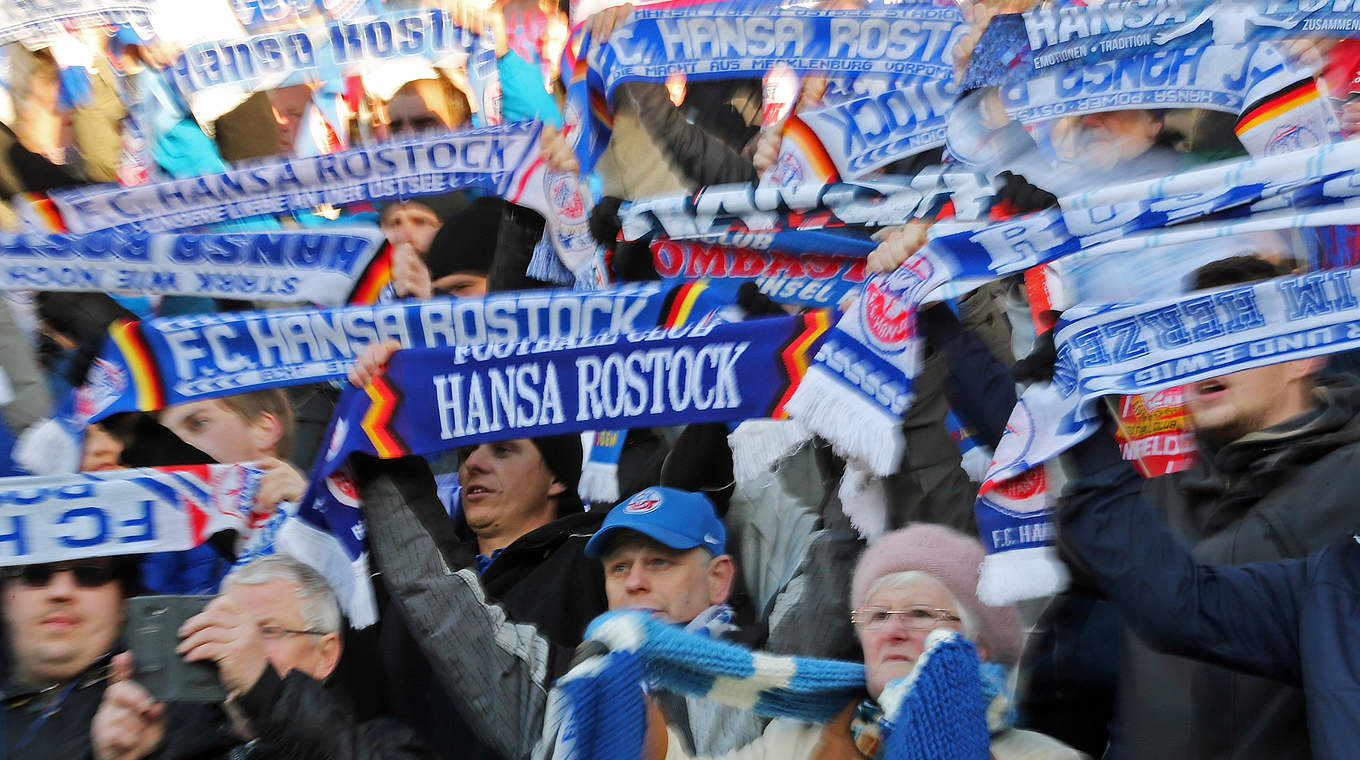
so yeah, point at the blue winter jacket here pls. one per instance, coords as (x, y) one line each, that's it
(1296, 621)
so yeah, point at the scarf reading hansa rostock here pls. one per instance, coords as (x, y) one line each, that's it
(1132, 349)
(731, 40)
(213, 76)
(861, 381)
(319, 267)
(503, 160)
(431, 400)
(159, 362)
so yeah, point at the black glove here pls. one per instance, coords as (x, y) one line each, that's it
(1038, 366)
(1023, 196)
(604, 221)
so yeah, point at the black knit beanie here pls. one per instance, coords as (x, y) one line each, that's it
(466, 242)
(562, 455)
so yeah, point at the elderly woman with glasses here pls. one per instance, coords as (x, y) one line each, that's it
(907, 584)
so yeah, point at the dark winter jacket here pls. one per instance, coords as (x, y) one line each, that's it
(53, 722)
(1278, 493)
(471, 657)
(293, 717)
(1292, 621)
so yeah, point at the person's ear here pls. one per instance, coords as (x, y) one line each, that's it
(721, 572)
(265, 432)
(1303, 368)
(328, 656)
(557, 487)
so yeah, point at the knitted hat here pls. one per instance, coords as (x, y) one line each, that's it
(951, 558)
(466, 242)
(562, 455)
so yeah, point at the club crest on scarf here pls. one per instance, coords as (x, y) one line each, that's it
(105, 382)
(343, 489)
(564, 197)
(888, 305)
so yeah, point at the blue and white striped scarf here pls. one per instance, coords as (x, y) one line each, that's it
(597, 710)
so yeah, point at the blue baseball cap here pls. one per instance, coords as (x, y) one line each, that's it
(678, 519)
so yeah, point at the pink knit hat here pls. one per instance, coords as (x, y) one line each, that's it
(951, 558)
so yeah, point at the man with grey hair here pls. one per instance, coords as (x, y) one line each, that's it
(274, 633)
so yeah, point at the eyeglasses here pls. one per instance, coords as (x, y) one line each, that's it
(918, 618)
(86, 574)
(278, 632)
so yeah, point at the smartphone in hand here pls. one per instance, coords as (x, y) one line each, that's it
(151, 631)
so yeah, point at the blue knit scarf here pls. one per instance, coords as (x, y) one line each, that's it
(597, 710)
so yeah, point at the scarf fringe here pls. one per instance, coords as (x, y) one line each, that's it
(759, 445)
(1012, 576)
(599, 482)
(857, 428)
(864, 500)
(47, 447)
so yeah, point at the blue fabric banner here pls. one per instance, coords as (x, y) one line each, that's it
(301, 266)
(1097, 32)
(436, 399)
(170, 360)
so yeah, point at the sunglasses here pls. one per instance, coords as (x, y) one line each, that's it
(86, 574)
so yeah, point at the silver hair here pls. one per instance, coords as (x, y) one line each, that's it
(908, 577)
(316, 600)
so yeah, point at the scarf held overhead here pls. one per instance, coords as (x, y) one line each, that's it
(159, 362)
(806, 217)
(437, 399)
(36, 24)
(297, 56)
(503, 160)
(54, 518)
(726, 40)
(1133, 349)
(1120, 29)
(861, 381)
(301, 266)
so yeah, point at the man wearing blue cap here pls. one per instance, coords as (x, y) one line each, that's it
(665, 550)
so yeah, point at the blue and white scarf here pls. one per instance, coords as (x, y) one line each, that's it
(1132, 349)
(597, 710)
(861, 382)
(172, 360)
(503, 160)
(432, 400)
(803, 217)
(1071, 33)
(298, 266)
(726, 40)
(229, 69)
(36, 24)
(54, 518)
